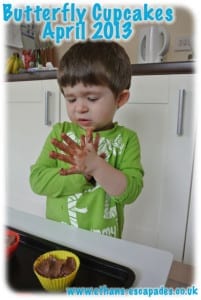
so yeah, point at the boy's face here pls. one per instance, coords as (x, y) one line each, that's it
(90, 106)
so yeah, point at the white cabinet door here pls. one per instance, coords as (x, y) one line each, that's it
(146, 113)
(159, 217)
(178, 166)
(26, 133)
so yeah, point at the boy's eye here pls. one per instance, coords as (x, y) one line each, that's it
(70, 100)
(92, 99)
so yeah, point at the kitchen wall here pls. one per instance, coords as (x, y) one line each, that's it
(183, 26)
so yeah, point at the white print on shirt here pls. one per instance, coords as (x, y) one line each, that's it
(110, 231)
(73, 210)
(72, 135)
(109, 212)
(110, 147)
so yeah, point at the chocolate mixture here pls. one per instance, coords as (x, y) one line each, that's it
(53, 267)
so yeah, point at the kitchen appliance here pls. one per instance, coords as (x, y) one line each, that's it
(153, 43)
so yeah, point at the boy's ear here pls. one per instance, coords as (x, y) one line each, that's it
(123, 98)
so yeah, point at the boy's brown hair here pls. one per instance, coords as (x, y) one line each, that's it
(99, 63)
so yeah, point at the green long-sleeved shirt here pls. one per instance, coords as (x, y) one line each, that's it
(74, 200)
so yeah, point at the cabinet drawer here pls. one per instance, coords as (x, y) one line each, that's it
(25, 91)
(149, 89)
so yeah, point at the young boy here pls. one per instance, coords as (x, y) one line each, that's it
(90, 168)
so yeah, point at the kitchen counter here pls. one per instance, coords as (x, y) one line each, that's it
(150, 265)
(186, 67)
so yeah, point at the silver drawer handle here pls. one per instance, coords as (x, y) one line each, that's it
(47, 98)
(180, 112)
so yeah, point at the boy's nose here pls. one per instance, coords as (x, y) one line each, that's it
(81, 106)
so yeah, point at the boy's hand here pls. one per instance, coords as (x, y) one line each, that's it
(81, 156)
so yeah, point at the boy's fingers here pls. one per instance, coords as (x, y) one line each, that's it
(59, 145)
(64, 147)
(70, 171)
(89, 135)
(53, 154)
(62, 157)
(96, 142)
(82, 141)
(69, 141)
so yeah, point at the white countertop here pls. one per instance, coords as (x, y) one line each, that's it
(150, 265)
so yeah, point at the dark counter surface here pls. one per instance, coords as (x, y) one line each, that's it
(28, 76)
(187, 67)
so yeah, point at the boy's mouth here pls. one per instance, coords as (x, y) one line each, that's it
(84, 122)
